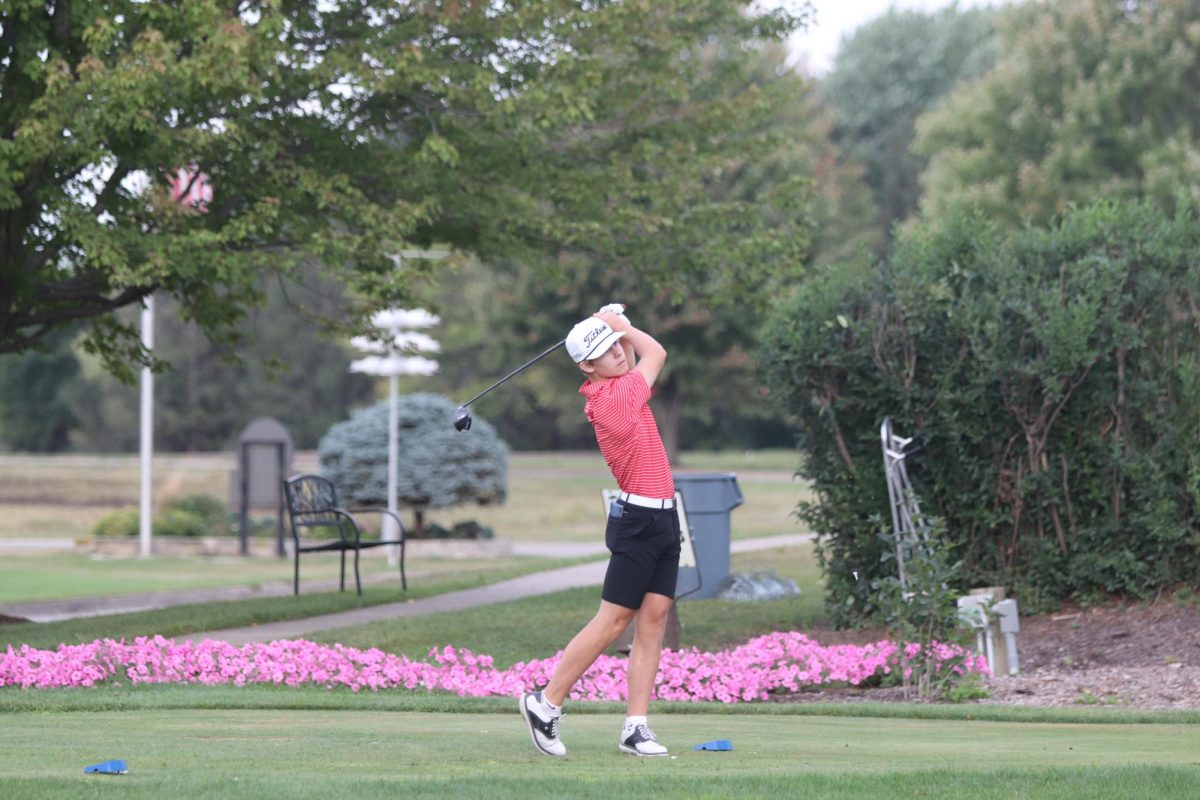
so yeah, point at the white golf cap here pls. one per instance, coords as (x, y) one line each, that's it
(590, 339)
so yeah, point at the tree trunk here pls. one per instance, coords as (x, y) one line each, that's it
(670, 415)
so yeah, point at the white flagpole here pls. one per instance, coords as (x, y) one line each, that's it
(146, 436)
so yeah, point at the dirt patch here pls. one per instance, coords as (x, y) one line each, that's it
(1127, 655)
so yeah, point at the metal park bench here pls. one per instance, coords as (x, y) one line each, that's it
(312, 503)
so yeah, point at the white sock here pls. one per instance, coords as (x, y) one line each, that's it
(546, 702)
(633, 722)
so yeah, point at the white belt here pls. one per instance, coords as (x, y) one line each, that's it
(645, 502)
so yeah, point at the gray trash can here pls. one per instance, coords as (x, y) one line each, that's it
(708, 497)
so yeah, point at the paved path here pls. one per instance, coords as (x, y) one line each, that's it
(40, 544)
(75, 607)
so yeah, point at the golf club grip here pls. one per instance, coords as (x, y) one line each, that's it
(517, 371)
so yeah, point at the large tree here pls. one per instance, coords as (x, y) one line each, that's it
(885, 75)
(343, 130)
(700, 285)
(1090, 98)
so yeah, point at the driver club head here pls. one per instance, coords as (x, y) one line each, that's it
(462, 419)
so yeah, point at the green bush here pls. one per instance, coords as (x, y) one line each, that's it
(439, 467)
(176, 522)
(211, 512)
(468, 529)
(191, 515)
(1050, 377)
(118, 523)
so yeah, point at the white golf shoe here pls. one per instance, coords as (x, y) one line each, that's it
(542, 722)
(639, 740)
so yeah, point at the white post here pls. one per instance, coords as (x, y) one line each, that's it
(396, 321)
(146, 436)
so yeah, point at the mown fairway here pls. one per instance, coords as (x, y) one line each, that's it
(378, 754)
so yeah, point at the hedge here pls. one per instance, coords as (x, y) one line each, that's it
(1051, 377)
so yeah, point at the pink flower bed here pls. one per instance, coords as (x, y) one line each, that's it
(776, 662)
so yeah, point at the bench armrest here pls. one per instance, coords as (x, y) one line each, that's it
(385, 512)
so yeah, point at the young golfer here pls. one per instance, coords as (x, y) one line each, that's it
(621, 363)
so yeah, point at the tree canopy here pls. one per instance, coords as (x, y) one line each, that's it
(885, 75)
(763, 197)
(1090, 98)
(346, 130)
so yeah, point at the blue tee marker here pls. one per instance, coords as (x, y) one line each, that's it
(116, 766)
(716, 744)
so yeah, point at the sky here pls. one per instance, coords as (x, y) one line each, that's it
(817, 46)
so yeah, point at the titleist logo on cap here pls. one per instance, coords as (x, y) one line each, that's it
(594, 334)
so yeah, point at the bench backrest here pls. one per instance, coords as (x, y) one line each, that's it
(312, 502)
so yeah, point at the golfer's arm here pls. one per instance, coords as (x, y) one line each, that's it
(627, 346)
(651, 356)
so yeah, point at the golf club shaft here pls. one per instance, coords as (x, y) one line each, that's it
(516, 371)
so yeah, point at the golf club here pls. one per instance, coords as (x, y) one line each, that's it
(462, 417)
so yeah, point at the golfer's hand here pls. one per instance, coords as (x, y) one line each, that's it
(615, 309)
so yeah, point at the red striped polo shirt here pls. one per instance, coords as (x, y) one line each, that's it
(619, 410)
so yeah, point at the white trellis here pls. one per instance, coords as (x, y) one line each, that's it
(908, 523)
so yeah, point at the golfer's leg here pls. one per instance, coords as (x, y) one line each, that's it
(609, 623)
(647, 648)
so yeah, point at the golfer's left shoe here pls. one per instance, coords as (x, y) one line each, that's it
(641, 741)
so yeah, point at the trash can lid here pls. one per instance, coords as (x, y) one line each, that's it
(705, 492)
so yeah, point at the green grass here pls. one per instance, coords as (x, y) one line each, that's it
(147, 697)
(30, 577)
(533, 627)
(376, 754)
(190, 618)
(538, 627)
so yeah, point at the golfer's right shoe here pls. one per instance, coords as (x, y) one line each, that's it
(641, 741)
(542, 723)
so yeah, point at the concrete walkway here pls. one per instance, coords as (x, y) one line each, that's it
(45, 544)
(531, 585)
(76, 607)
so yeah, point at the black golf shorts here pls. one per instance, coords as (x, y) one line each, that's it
(644, 543)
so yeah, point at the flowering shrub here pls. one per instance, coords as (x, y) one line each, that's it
(777, 662)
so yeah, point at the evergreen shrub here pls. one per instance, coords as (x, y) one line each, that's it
(439, 467)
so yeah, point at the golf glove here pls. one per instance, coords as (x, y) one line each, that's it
(615, 308)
